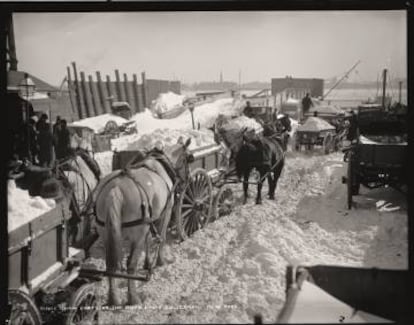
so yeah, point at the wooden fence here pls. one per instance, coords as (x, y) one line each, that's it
(91, 97)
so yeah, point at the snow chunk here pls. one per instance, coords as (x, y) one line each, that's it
(166, 102)
(23, 208)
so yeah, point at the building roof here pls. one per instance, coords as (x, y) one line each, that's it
(15, 77)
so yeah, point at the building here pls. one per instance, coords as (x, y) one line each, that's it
(297, 87)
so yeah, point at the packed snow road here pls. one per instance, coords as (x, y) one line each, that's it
(235, 267)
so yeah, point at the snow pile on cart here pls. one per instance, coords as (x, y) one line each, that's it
(200, 138)
(242, 122)
(166, 102)
(383, 139)
(98, 123)
(315, 124)
(22, 208)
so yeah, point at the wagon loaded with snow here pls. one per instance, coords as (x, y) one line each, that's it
(44, 265)
(44, 271)
(315, 132)
(377, 158)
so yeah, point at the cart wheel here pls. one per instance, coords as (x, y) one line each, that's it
(223, 202)
(83, 306)
(111, 127)
(349, 183)
(195, 202)
(23, 309)
(327, 144)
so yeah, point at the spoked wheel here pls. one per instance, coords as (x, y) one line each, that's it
(83, 306)
(111, 127)
(223, 203)
(23, 309)
(328, 144)
(194, 206)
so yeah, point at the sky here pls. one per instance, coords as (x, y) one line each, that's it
(197, 46)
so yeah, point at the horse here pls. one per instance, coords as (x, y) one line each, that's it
(266, 156)
(279, 129)
(78, 174)
(135, 204)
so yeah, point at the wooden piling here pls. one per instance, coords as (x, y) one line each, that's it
(72, 94)
(111, 92)
(135, 91)
(103, 94)
(78, 93)
(86, 95)
(144, 90)
(120, 93)
(128, 95)
(95, 97)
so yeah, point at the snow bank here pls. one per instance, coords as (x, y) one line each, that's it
(235, 267)
(22, 208)
(97, 123)
(166, 102)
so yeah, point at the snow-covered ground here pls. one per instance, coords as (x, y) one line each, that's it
(235, 267)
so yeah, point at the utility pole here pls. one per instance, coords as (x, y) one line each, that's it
(240, 82)
(384, 85)
(399, 92)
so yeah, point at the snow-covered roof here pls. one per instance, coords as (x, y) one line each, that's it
(97, 123)
(315, 124)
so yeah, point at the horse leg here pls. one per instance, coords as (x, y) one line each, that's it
(277, 171)
(132, 265)
(114, 243)
(271, 183)
(164, 226)
(246, 185)
(259, 186)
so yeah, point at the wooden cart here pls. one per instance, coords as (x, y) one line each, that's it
(315, 132)
(378, 157)
(44, 274)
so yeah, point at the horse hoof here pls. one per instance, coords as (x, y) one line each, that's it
(114, 300)
(133, 299)
(271, 197)
(258, 201)
(160, 261)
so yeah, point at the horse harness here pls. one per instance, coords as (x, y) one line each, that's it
(126, 172)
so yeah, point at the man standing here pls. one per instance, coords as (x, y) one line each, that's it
(45, 140)
(63, 141)
(306, 104)
(248, 110)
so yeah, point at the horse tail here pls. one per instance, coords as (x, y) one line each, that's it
(113, 229)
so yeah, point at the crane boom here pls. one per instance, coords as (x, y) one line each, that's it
(340, 80)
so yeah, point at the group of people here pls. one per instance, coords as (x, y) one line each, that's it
(46, 142)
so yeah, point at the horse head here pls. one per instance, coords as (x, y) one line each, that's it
(180, 157)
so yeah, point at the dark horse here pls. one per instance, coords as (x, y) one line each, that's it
(278, 129)
(135, 204)
(264, 154)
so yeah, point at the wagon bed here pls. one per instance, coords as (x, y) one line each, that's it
(378, 157)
